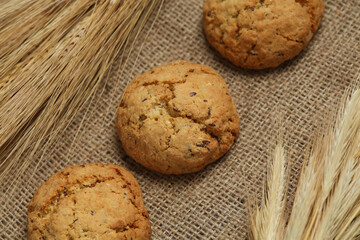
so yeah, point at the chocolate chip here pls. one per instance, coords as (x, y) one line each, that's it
(214, 136)
(189, 153)
(203, 144)
(209, 13)
(176, 110)
(186, 75)
(142, 117)
(75, 220)
(205, 100)
(209, 112)
(191, 70)
(212, 124)
(227, 94)
(82, 165)
(252, 9)
(124, 186)
(92, 213)
(206, 142)
(144, 100)
(192, 94)
(152, 72)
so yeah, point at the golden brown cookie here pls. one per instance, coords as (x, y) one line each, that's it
(260, 34)
(177, 118)
(92, 201)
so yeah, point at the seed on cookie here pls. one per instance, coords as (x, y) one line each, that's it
(261, 34)
(189, 130)
(84, 202)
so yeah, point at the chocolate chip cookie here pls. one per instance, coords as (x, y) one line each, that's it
(92, 201)
(177, 118)
(260, 34)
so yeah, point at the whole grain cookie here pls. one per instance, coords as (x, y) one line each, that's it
(92, 201)
(177, 118)
(260, 34)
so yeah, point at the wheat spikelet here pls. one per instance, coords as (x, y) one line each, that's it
(53, 56)
(352, 231)
(268, 222)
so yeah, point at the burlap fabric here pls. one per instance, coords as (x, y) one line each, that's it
(300, 95)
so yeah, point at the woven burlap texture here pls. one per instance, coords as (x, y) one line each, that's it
(300, 95)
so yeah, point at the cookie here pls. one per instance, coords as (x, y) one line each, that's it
(259, 34)
(92, 201)
(177, 118)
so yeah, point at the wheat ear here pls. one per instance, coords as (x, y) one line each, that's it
(326, 204)
(327, 200)
(339, 198)
(50, 68)
(267, 223)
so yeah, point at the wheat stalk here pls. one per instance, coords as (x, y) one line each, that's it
(327, 200)
(53, 55)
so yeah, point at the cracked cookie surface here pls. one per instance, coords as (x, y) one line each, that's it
(92, 201)
(259, 34)
(177, 118)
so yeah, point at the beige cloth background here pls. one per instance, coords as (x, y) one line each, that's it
(300, 95)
